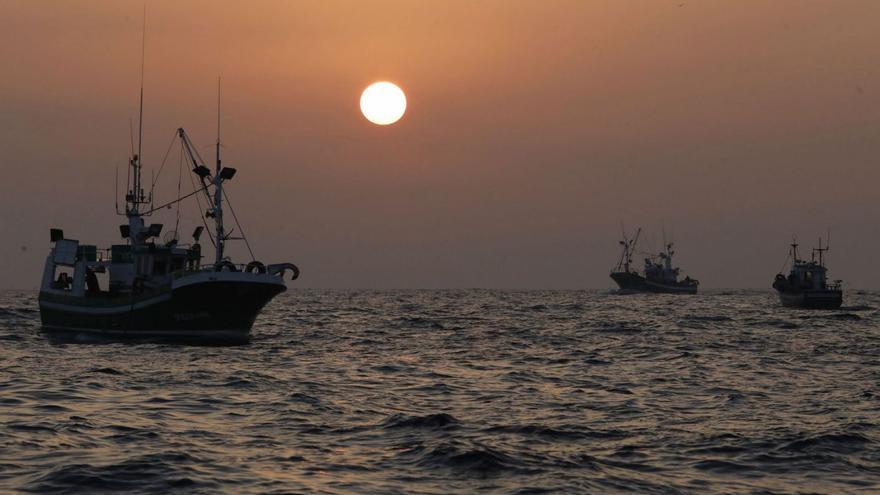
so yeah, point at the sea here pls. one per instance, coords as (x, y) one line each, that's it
(456, 391)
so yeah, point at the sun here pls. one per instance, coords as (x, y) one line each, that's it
(383, 103)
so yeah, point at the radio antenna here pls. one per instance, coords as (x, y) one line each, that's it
(143, 57)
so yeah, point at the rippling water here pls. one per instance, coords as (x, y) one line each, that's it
(457, 391)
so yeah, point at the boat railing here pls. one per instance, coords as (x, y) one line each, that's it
(228, 266)
(91, 254)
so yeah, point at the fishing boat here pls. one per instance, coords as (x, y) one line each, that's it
(155, 286)
(806, 285)
(658, 276)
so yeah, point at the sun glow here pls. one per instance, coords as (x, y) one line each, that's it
(383, 103)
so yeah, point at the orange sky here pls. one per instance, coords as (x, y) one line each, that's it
(533, 129)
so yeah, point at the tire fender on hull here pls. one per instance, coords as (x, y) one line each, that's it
(255, 267)
(281, 268)
(225, 266)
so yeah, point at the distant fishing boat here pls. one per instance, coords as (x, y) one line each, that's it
(659, 276)
(159, 288)
(806, 285)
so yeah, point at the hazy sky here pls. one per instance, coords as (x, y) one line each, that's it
(533, 129)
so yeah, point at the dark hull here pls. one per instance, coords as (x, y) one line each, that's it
(811, 299)
(630, 282)
(205, 311)
(633, 283)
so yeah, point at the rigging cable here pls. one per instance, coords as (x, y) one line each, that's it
(202, 210)
(196, 161)
(172, 202)
(164, 159)
(785, 263)
(244, 237)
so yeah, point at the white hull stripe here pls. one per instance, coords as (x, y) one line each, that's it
(112, 310)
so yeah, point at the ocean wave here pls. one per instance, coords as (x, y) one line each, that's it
(723, 467)
(773, 322)
(472, 458)
(106, 371)
(828, 442)
(152, 473)
(569, 433)
(419, 322)
(844, 316)
(456, 391)
(437, 420)
(858, 307)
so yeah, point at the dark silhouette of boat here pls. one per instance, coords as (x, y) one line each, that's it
(659, 276)
(159, 287)
(806, 285)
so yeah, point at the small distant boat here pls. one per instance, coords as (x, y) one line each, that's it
(806, 285)
(659, 275)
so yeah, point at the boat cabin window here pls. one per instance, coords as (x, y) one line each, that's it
(63, 279)
(97, 281)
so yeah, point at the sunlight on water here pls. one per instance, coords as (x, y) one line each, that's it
(456, 391)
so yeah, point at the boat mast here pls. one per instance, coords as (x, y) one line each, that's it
(667, 252)
(218, 190)
(137, 193)
(221, 175)
(821, 252)
(632, 248)
(135, 196)
(629, 246)
(624, 256)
